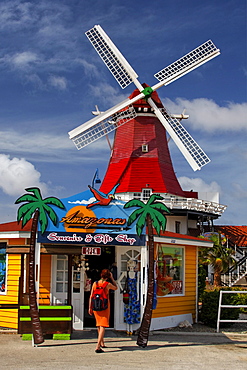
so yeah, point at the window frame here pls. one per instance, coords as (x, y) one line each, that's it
(2, 246)
(183, 250)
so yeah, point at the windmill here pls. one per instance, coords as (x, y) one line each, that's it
(127, 110)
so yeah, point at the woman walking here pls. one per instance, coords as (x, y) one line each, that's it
(102, 317)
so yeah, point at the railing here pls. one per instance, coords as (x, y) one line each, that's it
(228, 306)
(235, 273)
(184, 203)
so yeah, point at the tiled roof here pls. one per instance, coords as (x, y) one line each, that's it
(236, 235)
(15, 226)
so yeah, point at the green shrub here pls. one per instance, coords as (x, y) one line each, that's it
(242, 298)
(201, 281)
(210, 304)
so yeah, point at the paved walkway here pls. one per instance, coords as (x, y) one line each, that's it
(173, 351)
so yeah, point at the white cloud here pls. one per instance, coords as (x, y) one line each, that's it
(89, 68)
(17, 174)
(239, 192)
(198, 185)
(107, 94)
(43, 143)
(49, 147)
(15, 15)
(206, 115)
(35, 80)
(58, 82)
(22, 60)
(83, 201)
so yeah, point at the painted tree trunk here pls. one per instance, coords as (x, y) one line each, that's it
(143, 335)
(34, 313)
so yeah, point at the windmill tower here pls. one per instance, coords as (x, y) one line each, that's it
(140, 156)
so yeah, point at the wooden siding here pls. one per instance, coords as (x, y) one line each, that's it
(178, 305)
(17, 241)
(9, 318)
(45, 280)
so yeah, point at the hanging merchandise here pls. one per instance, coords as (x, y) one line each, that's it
(126, 291)
(163, 279)
(132, 309)
(87, 283)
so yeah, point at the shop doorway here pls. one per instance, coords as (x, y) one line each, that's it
(93, 266)
(85, 270)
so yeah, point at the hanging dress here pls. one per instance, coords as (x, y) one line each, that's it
(132, 309)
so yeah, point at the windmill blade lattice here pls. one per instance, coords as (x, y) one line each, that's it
(188, 62)
(104, 127)
(198, 156)
(111, 56)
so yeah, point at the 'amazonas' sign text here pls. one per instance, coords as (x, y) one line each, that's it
(88, 222)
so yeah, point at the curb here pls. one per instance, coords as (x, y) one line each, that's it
(8, 331)
(159, 332)
(222, 334)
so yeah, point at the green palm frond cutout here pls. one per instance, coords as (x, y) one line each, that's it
(35, 202)
(152, 208)
(134, 216)
(26, 198)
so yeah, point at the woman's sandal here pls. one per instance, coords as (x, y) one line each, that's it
(100, 350)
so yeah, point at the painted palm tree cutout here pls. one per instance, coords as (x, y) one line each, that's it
(152, 215)
(153, 209)
(40, 210)
(34, 202)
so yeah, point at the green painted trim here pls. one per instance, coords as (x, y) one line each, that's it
(147, 92)
(48, 307)
(47, 318)
(55, 318)
(55, 307)
(27, 336)
(61, 336)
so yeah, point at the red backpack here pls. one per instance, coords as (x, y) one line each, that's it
(99, 297)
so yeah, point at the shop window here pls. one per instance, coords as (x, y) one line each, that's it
(62, 274)
(146, 193)
(3, 268)
(177, 227)
(170, 270)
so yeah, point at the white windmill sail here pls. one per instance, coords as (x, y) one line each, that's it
(124, 74)
(187, 63)
(111, 56)
(184, 141)
(99, 126)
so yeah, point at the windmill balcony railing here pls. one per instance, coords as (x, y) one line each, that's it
(185, 203)
(195, 205)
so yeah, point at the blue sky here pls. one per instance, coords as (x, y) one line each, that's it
(51, 78)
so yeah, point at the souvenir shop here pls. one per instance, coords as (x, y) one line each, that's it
(70, 256)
